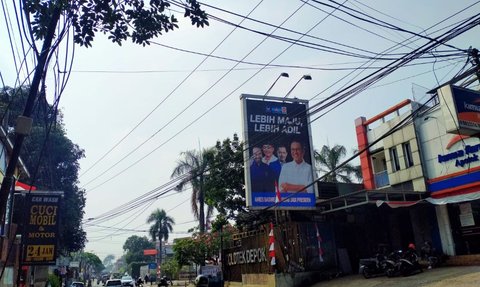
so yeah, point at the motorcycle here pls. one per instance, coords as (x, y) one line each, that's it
(163, 281)
(410, 263)
(372, 267)
(403, 263)
(430, 255)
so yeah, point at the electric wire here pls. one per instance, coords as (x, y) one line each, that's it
(135, 162)
(185, 109)
(176, 88)
(254, 74)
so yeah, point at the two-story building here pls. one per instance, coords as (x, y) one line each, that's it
(412, 148)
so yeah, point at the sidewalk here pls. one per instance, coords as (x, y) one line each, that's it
(464, 276)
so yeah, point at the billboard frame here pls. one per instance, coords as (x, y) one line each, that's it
(246, 151)
(451, 98)
(25, 242)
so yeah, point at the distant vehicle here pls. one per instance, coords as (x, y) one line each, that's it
(128, 281)
(201, 281)
(113, 283)
(164, 281)
(77, 284)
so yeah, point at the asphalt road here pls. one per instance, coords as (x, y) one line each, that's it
(465, 276)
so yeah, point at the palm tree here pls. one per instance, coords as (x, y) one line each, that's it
(192, 168)
(328, 159)
(161, 227)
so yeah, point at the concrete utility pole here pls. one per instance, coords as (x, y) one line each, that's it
(25, 119)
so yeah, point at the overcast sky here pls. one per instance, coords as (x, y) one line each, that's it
(112, 88)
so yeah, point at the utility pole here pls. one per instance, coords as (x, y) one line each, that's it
(24, 122)
(476, 60)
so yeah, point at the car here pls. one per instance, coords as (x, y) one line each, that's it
(127, 281)
(77, 284)
(113, 283)
(201, 281)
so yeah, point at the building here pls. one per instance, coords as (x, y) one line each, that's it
(409, 149)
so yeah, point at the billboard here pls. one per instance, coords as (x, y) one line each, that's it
(461, 109)
(278, 154)
(41, 228)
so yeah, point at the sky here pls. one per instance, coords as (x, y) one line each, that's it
(113, 88)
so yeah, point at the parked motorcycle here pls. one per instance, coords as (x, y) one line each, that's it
(409, 262)
(372, 267)
(430, 255)
(404, 263)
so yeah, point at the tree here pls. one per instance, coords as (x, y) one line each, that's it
(52, 160)
(135, 19)
(108, 262)
(88, 262)
(161, 227)
(200, 246)
(225, 187)
(192, 169)
(328, 159)
(171, 268)
(134, 246)
(132, 19)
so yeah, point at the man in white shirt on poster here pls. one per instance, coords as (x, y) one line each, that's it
(297, 174)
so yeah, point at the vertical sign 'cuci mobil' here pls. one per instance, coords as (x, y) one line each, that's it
(41, 229)
(278, 158)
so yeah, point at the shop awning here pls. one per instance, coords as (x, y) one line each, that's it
(392, 198)
(20, 186)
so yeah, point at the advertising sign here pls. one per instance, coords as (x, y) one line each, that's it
(278, 158)
(461, 109)
(41, 230)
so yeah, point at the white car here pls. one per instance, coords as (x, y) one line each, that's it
(113, 283)
(127, 281)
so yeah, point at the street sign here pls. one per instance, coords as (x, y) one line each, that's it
(152, 265)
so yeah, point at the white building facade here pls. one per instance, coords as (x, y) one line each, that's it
(421, 155)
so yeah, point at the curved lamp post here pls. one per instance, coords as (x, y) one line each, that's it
(304, 77)
(281, 75)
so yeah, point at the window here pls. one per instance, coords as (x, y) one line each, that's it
(407, 151)
(394, 159)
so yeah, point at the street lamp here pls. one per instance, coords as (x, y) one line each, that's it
(304, 77)
(281, 75)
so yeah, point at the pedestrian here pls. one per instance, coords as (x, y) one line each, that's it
(147, 279)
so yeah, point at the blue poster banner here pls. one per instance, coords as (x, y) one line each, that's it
(278, 165)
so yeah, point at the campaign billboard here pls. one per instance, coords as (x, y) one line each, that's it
(41, 228)
(461, 109)
(279, 166)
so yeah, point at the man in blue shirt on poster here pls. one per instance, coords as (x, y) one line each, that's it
(262, 177)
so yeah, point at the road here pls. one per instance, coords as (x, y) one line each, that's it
(465, 276)
(439, 277)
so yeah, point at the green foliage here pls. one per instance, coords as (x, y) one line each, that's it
(135, 19)
(328, 159)
(186, 251)
(162, 224)
(171, 268)
(225, 183)
(192, 167)
(161, 227)
(134, 246)
(199, 247)
(54, 281)
(108, 262)
(53, 159)
(94, 261)
(88, 259)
